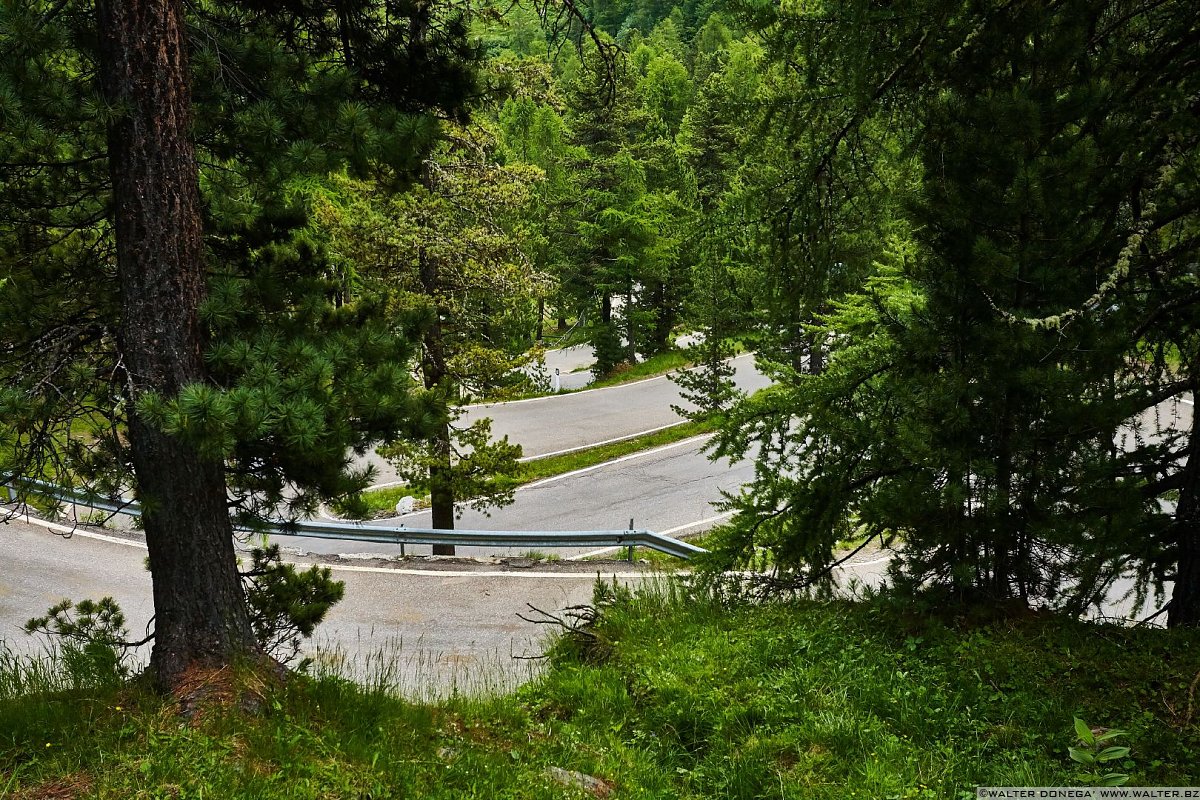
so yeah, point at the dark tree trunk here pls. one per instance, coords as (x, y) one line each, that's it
(441, 494)
(541, 323)
(1184, 610)
(664, 317)
(200, 611)
(816, 354)
(435, 372)
(630, 332)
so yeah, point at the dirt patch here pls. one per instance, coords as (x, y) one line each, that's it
(67, 787)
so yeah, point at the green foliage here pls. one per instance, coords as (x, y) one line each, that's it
(286, 604)
(607, 347)
(686, 698)
(955, 338)
(661, 364)
(1094, 755)
(94, 647)
(503, 481)
(482, 473)
(300, 371)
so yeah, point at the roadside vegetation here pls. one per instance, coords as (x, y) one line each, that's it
(659, 364)
(960, 237)
(664, 363)
(383, 501)
(668, 694)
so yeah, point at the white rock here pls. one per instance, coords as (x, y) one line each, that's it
(406, 504)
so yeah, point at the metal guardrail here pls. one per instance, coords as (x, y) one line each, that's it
(403, 535)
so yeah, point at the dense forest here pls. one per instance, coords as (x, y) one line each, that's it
(960, 237)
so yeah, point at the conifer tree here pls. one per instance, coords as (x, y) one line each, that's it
(448, 249)
(981, 379)
(613, 232)
(168, 324)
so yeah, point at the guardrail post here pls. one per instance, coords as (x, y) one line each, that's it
(629, 539)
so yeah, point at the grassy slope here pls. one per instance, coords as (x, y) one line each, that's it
(804, 700)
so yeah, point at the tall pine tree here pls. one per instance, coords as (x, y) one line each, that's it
(980, 380)
(168, 325)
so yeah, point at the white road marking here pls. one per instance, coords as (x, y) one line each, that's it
(433, 573)
(622, 459)
(586, 391)
(667, 532)
(387, 485)
(449, 573)
(864, 563)
(69, 531)
(584, 470)
(392, 484)
(601, 444)
(698, 523)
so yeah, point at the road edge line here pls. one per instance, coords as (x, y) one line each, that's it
(59, 528)
(588, 391)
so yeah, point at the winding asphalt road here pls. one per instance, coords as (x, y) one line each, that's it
(670, 490)
(561, 423)
(431, 630)
(446, 625)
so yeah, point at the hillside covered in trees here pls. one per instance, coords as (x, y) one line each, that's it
(960, 237)
(243, 244)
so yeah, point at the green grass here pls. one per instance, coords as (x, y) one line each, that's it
(660, 364)
(573, 334)
(675, 697)
(652, 367)
(384, 500)
(662, 562)
(542, 468)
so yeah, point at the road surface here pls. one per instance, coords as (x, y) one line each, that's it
(441, 628)
(432, 630)
(427, 632)
(558, 423)
(669, 489)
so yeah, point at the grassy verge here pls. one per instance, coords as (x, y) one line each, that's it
(384, 500)
(651, 367)
(541, 468)
(660, 364)
(674, 697)
(661, 562)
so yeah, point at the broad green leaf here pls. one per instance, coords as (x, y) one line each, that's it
(1084, 732)
(1081, 755)
(1112, 753)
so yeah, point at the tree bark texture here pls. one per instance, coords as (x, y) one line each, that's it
(201, 619)
(435, 372)
(1184, 609)
(630, 333)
